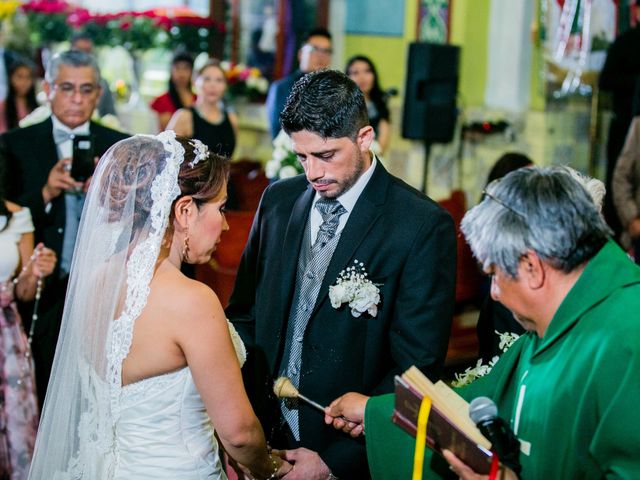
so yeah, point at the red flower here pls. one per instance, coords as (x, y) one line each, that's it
(79, 17)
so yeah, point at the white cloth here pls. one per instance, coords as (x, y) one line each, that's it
(164, 431)
(19, 224)
(348, 200)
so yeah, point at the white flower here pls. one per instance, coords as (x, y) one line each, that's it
(262, 85)
(366, 296)
(473, 373)
(287, 172)
(284, 162)
(279, 154)
(506, 340)
(271, 169)
(252, 82)
(338, 295)
(353, 287)
(282, 141)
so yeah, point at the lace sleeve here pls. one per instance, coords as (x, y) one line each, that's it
(241, 351)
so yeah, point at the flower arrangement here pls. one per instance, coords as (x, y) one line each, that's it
(53, 21)
(284, 162)
(48, 20)
(473, 373)
(353, 287)
(245, 81)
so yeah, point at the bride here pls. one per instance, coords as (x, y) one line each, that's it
(147, 365)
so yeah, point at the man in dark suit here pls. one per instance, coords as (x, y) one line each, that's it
(308, 232)
(38, 161)
(314, 54)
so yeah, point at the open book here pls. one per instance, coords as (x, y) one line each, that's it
(449, 426)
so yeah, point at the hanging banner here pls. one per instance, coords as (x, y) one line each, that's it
(576, 35)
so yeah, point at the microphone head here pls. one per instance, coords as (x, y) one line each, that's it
(482, 409)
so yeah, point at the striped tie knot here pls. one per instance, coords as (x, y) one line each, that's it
(331, 210)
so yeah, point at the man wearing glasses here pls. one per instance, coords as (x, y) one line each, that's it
(39, 163)
(315, 54)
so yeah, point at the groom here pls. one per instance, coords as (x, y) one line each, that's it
(347, 212)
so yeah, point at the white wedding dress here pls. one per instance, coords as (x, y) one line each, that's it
(164, 431)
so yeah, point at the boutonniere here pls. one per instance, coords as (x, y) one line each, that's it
(353, 287)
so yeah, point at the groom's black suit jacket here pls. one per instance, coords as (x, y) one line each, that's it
(29, 154)
(407, 245)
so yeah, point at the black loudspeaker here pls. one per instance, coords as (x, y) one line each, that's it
(430, 95)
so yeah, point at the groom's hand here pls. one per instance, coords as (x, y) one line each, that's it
(307, 465)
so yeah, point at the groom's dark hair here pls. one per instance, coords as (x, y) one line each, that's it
(327, 103)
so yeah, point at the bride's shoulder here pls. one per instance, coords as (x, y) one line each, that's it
(189, 296)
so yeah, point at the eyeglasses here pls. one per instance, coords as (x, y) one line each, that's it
(485, 192)
(68, 89)
(313, 49)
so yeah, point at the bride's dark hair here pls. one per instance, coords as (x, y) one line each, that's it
(204, 180)
(138, 161)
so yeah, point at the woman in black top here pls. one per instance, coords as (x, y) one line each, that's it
(361, 70)
(208, 120)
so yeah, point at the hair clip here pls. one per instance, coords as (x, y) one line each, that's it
(201, 151)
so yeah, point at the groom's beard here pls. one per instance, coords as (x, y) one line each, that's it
(350, 179)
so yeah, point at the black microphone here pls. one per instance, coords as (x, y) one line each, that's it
(484, 413)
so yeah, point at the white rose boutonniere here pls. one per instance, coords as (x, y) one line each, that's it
(353, 287)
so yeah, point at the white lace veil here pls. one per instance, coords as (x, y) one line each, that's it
(123, 223)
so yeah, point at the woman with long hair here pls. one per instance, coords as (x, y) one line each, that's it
(179, 94)
(21, 94)
(361, 70)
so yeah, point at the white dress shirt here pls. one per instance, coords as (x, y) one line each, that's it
(348, 200)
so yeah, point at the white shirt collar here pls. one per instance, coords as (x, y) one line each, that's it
(79, 130)
(349, 198)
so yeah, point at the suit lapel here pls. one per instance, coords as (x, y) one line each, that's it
(361, 221)
(48, 146)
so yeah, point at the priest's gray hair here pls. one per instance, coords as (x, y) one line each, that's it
(71, 58)
(541, 209)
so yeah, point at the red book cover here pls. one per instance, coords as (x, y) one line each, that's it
(441, 432)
